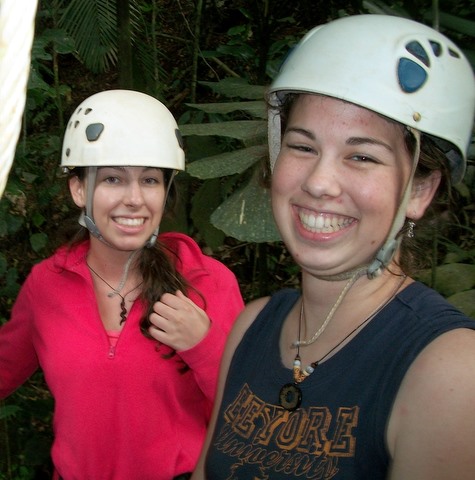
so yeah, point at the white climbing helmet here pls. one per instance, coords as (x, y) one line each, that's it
(394, 66)
(122, 128)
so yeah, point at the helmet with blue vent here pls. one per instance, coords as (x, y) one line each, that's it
(396, 67)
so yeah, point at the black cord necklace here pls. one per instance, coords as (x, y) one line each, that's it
(290, 395)
(116, 291)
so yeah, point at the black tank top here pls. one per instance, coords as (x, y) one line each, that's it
(339, 430)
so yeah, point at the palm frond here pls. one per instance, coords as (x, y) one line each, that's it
(93, 25)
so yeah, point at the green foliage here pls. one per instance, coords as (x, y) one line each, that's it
(452, 278)
(25, 433)
(245, 212)
(92, 23)
(451, 18)
(8, 411)
(9, 275)
(225, 205)
(205, 200)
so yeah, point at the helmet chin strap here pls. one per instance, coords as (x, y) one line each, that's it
(274, 134)
(387, 251)
(151, 241)
(86, 218)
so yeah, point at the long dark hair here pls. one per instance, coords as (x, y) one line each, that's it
(157, 264)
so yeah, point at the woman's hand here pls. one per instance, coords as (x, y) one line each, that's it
(178, 322)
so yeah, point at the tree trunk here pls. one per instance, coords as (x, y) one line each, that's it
(124, 45)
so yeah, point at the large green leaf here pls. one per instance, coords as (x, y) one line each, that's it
(451, 278)
(204, 201)
(237, 87)
(228, 163)
(246, 215)
(464, 301)
(254, 108)
(453, 22)
(378, 7)
(245, 130)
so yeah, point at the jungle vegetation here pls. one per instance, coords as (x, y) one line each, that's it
(209, 61)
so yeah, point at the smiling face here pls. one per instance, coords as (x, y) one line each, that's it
(337, 183)
(128, 204)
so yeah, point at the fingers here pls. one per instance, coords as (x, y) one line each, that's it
(178, 322)
(177, 301)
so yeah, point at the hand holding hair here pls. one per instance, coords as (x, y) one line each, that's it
(178, 322)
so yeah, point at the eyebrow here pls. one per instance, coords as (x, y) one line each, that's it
(302, 131)
(114, 167)
(349, 141)
(366, 141)
(122, 168)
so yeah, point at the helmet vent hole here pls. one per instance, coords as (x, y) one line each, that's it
(76, 124)
(68, 152)
(93, 131)
(453, 53)
(88, 111)
(436, 48)
(411, 75)
(416, 49)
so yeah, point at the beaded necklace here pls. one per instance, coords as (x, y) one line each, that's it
(290, 396)
(356, 274)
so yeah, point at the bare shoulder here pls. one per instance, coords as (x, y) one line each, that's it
(244, 321)
(253, 309)
(432, 427)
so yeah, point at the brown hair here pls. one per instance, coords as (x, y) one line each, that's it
(157, 264)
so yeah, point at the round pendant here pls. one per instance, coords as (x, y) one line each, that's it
(290, 396)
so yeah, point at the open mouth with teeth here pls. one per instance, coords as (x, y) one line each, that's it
(129, 222)
(324, 223)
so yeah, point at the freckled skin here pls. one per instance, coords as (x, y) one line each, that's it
(343, 162)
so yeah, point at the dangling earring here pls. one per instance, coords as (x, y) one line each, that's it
(410, 229)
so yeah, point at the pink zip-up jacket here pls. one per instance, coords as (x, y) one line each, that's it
(123, 412)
